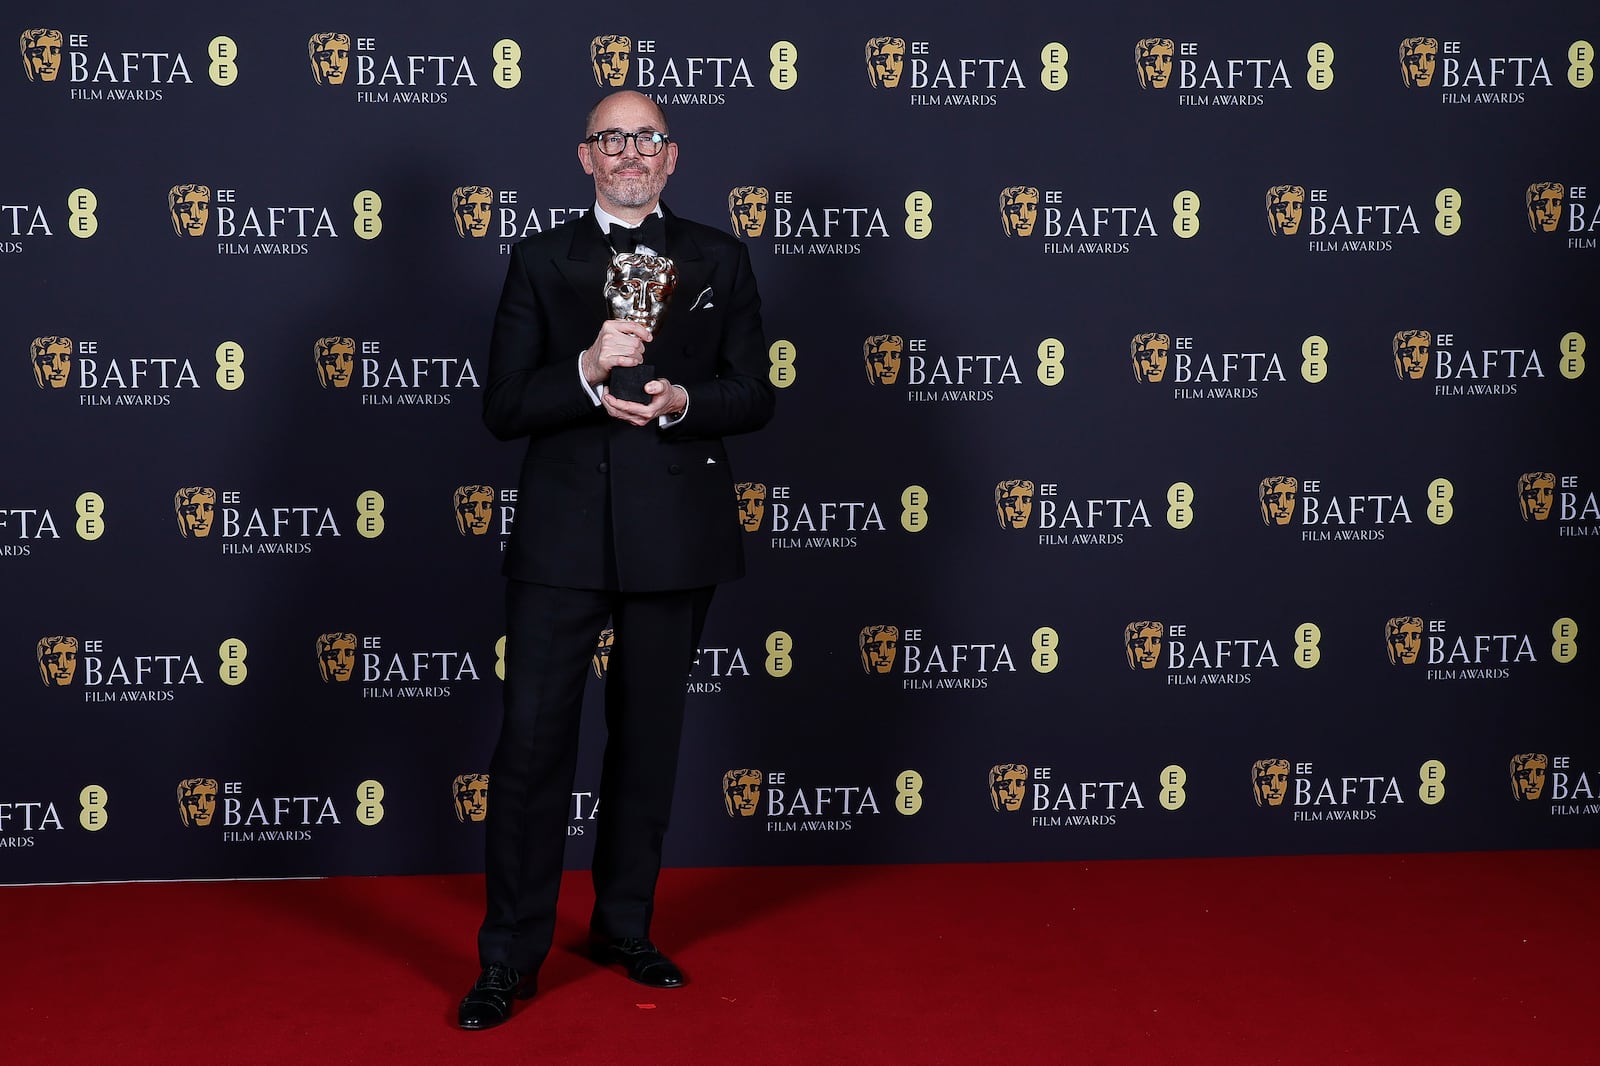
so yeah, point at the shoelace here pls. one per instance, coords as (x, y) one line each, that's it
(499, 976)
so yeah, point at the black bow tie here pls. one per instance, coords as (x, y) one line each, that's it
(652, 233)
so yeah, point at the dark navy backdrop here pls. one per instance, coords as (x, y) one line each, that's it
(189, 361)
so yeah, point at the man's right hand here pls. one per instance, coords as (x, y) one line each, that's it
(619, 343)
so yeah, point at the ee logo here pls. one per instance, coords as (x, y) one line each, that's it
(919, 215)
(1171, 793)
(908, 792)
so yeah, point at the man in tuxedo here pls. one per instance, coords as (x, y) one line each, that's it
(626, 514)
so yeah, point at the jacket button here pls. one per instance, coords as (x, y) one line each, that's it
(674, 469)
(604, 468)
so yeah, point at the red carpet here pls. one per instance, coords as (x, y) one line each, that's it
(1447, 959)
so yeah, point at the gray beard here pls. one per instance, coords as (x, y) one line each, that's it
(629, 191)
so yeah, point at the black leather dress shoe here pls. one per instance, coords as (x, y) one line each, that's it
(489, 1002)
(640, 959)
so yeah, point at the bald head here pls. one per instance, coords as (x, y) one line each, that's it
(599, 116)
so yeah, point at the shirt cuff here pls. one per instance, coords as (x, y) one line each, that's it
(594, 392)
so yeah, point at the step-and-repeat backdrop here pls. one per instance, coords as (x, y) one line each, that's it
(1185, 440)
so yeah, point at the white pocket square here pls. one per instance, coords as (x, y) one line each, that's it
(703, 300)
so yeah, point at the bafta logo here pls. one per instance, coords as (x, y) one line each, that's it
(196, 508)
(609, 55)
(58, 660)
(336, 656)
(1527, 775)
(1277, 496)
(1149, 352)
(752, 496)
(1141, 642)
(1152, 61)
(1286, 204)
(1544, 200)
(1536, 491)
(471, 794)
(878, 646)
(1403, 636)
(882, 354)
(1418, 58)
(1411, 350)
(1019, 210)
(741, 792)
(330, 57)
(1269, 780)
(190, 208)
(747, 209)
(197, 800)
(336, 361)
(601, 660)
(472, 210)
(52, 361)
(1008, 782)
(41, 54)
(886, 60)
(1013, 503)
(474, 509)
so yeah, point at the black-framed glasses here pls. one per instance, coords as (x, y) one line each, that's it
(612, 142)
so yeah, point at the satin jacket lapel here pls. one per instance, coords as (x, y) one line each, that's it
(694, 270)
(584, 268)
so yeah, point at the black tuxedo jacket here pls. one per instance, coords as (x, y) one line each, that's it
(603, 504)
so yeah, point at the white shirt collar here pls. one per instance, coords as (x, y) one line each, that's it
(607, 219)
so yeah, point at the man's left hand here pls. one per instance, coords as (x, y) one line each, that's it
(665, 402)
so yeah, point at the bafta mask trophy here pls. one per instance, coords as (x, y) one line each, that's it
(638, 289)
